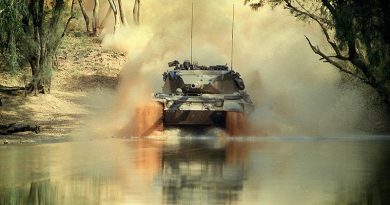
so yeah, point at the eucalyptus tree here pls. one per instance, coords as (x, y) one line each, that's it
(357, 33)
(136, 11)
(85, 15)
(117, 8)
(30, 33)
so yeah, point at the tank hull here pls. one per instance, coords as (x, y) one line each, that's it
(194, 117)
(195, 95)
(206, 110)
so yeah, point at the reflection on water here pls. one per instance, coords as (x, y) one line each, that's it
(200, 173)
(195, 171)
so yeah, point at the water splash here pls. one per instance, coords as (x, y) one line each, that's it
(237, 124)
(147, 118)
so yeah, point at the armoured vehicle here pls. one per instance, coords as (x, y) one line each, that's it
(201, 95)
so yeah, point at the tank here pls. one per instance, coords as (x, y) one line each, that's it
(195, 95)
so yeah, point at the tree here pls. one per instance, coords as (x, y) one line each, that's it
(356, 31)
(136, 11)
(95, 22)
(116, 11)
(119, 13)
(122, 13)
(85, 15)
(116, 6)
(9, 29)
(30, 33)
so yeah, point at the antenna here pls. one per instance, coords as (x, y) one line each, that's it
(231, 54)
(192, 27)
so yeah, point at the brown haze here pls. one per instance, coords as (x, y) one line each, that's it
(293, 91)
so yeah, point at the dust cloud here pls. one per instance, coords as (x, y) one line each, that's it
(294, 93)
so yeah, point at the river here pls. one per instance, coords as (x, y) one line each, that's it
(194, 170)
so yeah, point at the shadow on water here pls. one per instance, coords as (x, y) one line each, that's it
(197, 171)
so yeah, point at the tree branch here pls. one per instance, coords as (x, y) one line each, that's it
(329, 7)
(10, 89)
(72, 16)
(85, 15)
(358, 63)
(323, 28)
(113, 6)
(328, 59)
(334, 56)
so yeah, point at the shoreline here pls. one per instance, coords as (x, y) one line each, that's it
(84, 68)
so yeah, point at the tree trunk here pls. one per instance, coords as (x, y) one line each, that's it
(41, 74)
(122, 13)
(35, 70)
(86, 18)
(136, 11)
(116, 14)
(40, 63)
(15, 128)
(95, 23)
(10, 90)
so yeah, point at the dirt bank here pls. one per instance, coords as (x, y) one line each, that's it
(83, 66)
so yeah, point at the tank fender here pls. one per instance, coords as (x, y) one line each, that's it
(233, 106)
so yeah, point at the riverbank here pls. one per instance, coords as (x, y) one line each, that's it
(83, 68)
(84, 71)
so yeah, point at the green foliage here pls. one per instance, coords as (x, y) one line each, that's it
(30, 32)
(366, 23)
(10, 30)
(358, 31)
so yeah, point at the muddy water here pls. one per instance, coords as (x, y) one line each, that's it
(188, 170)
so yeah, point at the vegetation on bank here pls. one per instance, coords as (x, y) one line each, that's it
(32, 31)
(357, 33)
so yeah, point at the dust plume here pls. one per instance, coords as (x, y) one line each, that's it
(293, 91)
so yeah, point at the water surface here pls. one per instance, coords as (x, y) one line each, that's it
(193, 170)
